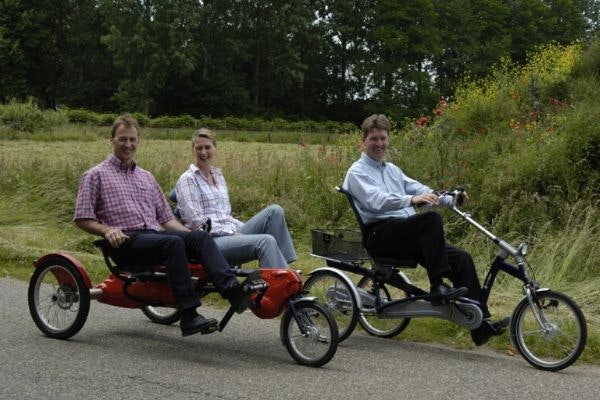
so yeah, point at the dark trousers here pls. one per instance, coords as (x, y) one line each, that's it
(421, 237)
(172, 249)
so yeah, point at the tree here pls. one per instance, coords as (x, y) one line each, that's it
(403, 39)
(89, 78)
(474, 36)
(148, 40)
(32, 34)
(534, 22)
(344, 55)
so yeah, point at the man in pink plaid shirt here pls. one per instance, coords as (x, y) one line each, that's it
(124, 204)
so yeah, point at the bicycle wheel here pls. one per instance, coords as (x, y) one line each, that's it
(59, 301)
(550, 335)
(162, 315)
(370, 320)
(318, 344)
(335, 293)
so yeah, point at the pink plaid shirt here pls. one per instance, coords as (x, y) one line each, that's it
(198, 200)
(129, 199)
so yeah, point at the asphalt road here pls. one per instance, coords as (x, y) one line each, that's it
(119, 354)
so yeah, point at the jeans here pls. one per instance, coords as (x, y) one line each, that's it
(265, 237)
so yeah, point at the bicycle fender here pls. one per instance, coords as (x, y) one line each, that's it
(84, 274)
(344, 278)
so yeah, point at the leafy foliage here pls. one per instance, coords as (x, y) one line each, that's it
(298, 59)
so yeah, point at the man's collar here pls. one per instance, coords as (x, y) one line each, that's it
(118, 164)
(372, 162)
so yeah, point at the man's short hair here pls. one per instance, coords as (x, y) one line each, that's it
(127, 121)
(378, 121)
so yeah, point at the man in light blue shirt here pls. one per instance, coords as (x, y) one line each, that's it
(385, 199)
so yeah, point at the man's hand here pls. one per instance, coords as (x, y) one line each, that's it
(425, 199)
(115, 237)
(461, 199)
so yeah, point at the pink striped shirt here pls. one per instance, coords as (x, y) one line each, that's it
(198, 200)
(129, 199)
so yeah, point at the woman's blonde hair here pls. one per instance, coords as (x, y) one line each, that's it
(204, 133)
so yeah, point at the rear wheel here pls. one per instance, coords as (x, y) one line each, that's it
(59, 301)
(335, 293)
(550, 335)
(162, 315)
(370, 320)
(309, 333)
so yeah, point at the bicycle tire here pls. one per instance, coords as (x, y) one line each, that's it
(556, 344)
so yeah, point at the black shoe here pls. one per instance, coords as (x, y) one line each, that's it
(193, 322)
(487, 329)
(238, 297)
(441, 293)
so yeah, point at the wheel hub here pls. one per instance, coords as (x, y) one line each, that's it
(65, 297)
(550, 331)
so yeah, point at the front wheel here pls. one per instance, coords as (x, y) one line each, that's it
(335, 293)
(309, 333)
(59, 301)
(370, 319)
(162, 315)
(551, 333)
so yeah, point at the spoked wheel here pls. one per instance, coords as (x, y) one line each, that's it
(309, 333)
(370, 320)
(550, 335)
(162, 315)
(59, 301)
(335, 293)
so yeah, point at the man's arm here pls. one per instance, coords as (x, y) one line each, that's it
(115, 236)
(174, 225)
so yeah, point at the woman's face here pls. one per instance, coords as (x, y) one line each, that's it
(204, 151)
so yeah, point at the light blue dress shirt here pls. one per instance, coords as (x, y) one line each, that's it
(383, 191)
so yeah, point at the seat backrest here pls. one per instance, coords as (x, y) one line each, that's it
(404, 262)
(352, 200)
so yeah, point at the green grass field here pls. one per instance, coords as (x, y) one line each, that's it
(38, 182)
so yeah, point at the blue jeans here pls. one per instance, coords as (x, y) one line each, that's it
(265, 237)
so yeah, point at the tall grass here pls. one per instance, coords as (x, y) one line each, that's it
(525, 144)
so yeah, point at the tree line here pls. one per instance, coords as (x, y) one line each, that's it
(309, 59)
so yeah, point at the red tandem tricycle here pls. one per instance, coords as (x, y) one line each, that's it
(60, 291)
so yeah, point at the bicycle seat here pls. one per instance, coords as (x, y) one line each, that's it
(380, 261)
(139, 272)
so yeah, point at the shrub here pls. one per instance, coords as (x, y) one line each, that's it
(82, 116)
(27, 117)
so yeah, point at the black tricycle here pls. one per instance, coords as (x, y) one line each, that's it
(547, 327)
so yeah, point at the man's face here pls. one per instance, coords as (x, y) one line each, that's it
(125, 143)
(376, 144)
